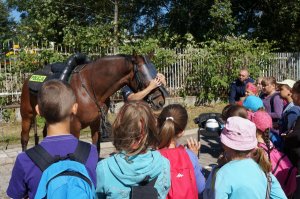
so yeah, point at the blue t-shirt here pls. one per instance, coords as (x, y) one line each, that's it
(244, 179)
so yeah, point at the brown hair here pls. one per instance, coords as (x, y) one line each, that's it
(286, 86)
(172, 121)
(258, 155)
(270, 80)
(135, 122)
(296, 87)
(234, 110)
(55, 101)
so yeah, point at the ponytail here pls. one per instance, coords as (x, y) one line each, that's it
(259, 156)
(266, 139)
(167, 133)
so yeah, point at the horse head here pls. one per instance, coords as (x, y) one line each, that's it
(145, 71)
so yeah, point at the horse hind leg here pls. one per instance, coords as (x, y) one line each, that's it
(26, 125)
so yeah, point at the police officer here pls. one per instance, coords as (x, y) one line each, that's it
(238, 87)
(129, 95)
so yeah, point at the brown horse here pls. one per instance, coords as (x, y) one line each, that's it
(93, 84)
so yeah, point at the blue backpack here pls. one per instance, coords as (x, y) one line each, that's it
(63, 177)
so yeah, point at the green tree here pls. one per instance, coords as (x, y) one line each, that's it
(6, 24)
(221, 20)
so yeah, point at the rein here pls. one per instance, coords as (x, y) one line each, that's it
(103, 120)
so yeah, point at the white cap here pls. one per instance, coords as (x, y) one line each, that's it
(288, 82)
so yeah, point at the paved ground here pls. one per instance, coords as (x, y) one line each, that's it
(208, 154)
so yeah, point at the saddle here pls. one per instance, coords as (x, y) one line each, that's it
(58, 70)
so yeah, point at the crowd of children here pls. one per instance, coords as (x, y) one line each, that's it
(260, 142)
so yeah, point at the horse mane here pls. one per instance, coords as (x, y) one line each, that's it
(127, 57)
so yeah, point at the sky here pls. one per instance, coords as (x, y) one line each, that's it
(16, 15)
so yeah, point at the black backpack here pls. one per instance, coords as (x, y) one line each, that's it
(145, 190)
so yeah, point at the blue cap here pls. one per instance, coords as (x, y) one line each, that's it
(253, 103)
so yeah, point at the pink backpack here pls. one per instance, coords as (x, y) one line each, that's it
(282, 169)
(183, 181)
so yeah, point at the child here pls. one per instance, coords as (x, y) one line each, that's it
(292, 139)
(253, 104)
(281, 165)
(258, 85)
(171, 123)
(57, 104)
(227, 112)
(251, 89)
(136, 163)
(234, 110)
(272, 102)
(290, 111)
(247, 172)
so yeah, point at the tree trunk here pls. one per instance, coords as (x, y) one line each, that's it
(116, 14)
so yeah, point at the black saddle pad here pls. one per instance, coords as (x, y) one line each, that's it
(39, 77)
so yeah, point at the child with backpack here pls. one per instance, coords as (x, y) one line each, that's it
(247, 171)
(272, 102)
(290, 111)
(60, 160)
(136, 170)
(282, 168)
(292, 139)
(187, 180)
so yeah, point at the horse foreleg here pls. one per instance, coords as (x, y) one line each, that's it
(75, 127)
(26, 125)
(95, 133)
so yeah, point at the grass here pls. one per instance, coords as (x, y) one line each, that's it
(10, 132)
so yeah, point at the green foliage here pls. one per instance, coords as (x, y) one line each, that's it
(8, 115)
(163, 57)
(40, 121)
(216, 65)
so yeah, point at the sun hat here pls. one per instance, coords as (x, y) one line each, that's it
(239, 134)
(288, 82)
(262, 120)
(253, 103)
(251, 87)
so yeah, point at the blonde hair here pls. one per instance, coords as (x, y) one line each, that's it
(135, 122)
(172, 121)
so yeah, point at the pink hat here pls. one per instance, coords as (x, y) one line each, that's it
(262, 120)
(251, 87)
(239, 134)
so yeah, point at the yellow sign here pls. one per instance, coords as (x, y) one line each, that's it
(37, 78)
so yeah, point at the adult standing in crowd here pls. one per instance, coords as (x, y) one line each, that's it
(238, 87)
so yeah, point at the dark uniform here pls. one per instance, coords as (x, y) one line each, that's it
(126, 91)
(238, 90)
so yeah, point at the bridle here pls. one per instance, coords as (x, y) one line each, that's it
(140, 82)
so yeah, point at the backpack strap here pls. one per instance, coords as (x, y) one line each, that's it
(81, 153)
(40, 157)
(272, 102)
(269, 182)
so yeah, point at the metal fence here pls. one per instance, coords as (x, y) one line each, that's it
(286, 65)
